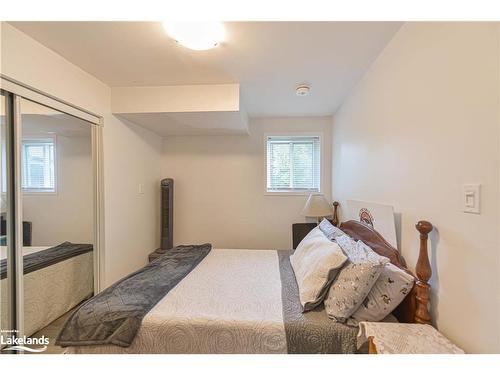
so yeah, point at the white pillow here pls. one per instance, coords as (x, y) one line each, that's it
(391, 287)
(315, 263)
(355, 279)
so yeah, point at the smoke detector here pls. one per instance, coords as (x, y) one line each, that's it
(302, 90)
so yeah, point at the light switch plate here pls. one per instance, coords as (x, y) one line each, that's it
(472, 198)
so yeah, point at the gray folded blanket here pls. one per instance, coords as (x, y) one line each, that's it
(115, 315)
(44, 258)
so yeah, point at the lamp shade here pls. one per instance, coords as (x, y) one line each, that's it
(317, 206)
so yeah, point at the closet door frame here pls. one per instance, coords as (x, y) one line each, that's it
(16, 91)
(14, 291)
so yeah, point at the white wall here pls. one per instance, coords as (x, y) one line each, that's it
(67, 214)
(219, 194)
(132, 157)
(420, 124)
(127, 154)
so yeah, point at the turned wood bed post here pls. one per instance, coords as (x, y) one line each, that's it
(423, 271)
(335, 219)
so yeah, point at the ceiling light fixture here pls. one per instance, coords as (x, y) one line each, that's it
(303, 90)
(196, 35)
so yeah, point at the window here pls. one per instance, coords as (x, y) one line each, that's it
(293, 164)
(38, 165)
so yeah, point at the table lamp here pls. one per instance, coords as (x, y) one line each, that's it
(317, 206)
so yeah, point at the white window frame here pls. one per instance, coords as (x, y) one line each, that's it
(29, 191)
(321, 163)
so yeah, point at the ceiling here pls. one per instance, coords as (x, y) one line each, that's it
(190, 123)
(55, 124)
(267, 59)
(39, 120)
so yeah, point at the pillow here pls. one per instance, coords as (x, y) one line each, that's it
(355, 280)
(330, 231)
(315, 263)
(389, 290)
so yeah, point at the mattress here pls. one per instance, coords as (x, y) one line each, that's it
(51, 291)
(235, 301)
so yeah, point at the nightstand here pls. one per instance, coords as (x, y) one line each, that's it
(403, 338)
(299, 231)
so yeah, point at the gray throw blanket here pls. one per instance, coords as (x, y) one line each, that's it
(44, 258)
(115, 315)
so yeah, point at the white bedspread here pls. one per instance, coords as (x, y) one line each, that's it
(220, 307)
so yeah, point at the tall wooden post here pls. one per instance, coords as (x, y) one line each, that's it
(424, 272)
(335, 219)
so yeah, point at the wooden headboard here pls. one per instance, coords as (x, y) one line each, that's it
(415, 307)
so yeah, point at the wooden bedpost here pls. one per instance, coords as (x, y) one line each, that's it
(335, 219)
(424, 272)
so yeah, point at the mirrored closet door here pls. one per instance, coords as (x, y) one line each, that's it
(57, 215)
(49, 160)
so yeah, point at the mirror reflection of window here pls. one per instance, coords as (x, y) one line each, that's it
(39, 165)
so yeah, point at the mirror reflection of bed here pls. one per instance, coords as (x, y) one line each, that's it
(57, 199)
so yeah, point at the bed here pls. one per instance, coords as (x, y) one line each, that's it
(229, 301)
(56, 279)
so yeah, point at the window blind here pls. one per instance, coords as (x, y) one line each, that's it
(293, 164)
(38, 165)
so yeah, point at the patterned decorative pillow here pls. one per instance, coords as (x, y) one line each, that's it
(330, 231)
(315, 263)
(392, 286)
(355, 279)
